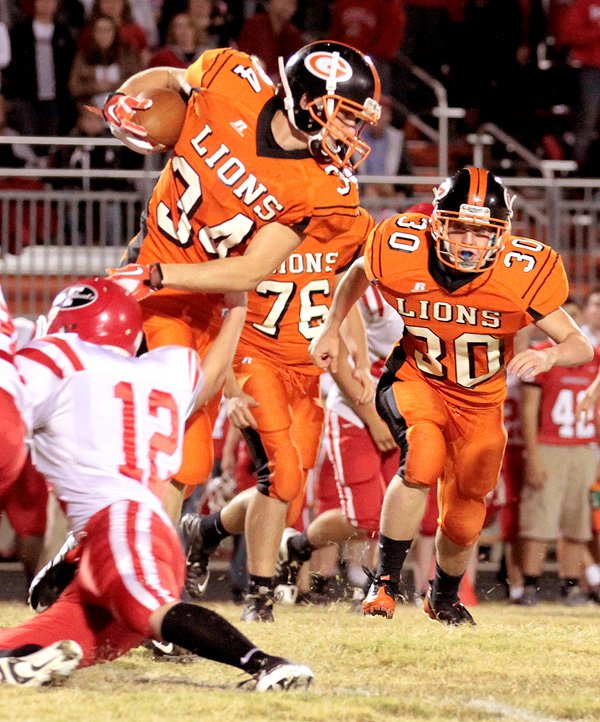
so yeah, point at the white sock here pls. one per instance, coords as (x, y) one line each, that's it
(356, 576)
(516, 592)
(592, 575)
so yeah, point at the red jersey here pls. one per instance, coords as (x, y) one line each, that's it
(287, 308)
(561, 389)
(459, 331)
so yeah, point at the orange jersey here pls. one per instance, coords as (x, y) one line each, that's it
(227, 177)
(459, 335)
(287, 308)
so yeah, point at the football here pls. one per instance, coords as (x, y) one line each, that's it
(164, 119)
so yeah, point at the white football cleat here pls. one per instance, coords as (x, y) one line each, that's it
(286, 593)
(288, 564)
(283, 675)
(53, 578)
(49, 665)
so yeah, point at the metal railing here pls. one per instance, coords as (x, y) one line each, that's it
(488, 133)
(48, 237)
(442, 111)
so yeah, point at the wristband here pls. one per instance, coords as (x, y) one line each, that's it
(156, 277)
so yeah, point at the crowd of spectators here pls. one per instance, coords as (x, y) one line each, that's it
(529, 66)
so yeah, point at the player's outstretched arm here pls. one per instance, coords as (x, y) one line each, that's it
(160, 77)
(271, 245)
(324, 348)
(363, 407)
(572, 347)
(354, 334)
(239, 403)
(220, 355)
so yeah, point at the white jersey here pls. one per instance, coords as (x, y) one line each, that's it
(10, 379)
(107, 427)
(383, 327)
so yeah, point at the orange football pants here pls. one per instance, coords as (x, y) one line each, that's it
(463, 446)
(290, 424)
(179, 321)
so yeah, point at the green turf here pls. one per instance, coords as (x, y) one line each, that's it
(537, 665)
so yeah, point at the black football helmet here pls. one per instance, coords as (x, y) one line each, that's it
(322, 80)
(475, 197)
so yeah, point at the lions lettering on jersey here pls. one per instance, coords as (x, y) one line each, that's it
(459, 332)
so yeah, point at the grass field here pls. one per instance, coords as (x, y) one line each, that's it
(539, 665)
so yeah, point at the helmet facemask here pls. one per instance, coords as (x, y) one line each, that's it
(466, 257)
(337, 141)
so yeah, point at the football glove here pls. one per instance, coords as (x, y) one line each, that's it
(118, 112)
(137, 279)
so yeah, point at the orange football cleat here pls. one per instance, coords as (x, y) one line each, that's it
(381, 598)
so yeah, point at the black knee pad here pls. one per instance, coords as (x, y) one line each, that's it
(386, 406)
(259, 459)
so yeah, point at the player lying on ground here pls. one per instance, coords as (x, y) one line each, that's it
(108, 429)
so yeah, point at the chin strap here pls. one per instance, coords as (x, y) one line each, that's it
(288, 100)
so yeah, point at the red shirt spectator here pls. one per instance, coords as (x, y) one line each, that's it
(375, 27)
(580, 29)
(271, 34)
(183, 46)
(561, 388)
(132, 35)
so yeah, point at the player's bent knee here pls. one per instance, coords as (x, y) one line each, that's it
(464, 529)
(282, 492)
(426, 454)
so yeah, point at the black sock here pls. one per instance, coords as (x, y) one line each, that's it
(212, 530)
(566, 584)
(21, 651)
(392, 555)
(207, 634)
(445, 585)
(301, 547)
(255, 583)
(321, 584)
(532, 581)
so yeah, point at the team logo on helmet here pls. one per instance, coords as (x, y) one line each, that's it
(319, 64)
(75, 297)
(442, 190)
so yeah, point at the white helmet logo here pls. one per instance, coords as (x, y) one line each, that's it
(75, 297)
(319, 64)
